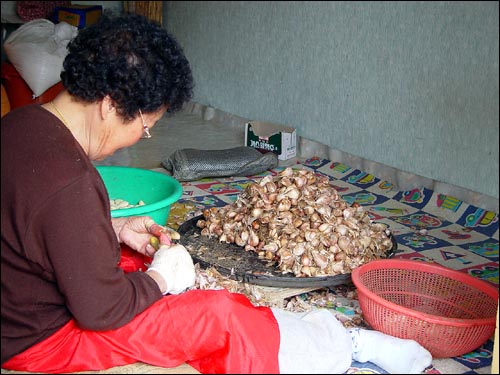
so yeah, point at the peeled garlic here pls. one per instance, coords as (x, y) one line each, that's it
(117, 204)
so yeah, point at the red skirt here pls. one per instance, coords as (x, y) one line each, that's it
(214, 331)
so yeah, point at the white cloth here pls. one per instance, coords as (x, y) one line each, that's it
(37, 50)
(314, 342)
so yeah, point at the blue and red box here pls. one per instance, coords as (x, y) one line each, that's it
(78, 15)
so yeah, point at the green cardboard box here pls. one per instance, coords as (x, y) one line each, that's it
(269, 137)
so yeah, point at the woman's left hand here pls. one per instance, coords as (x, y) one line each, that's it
(134, 231)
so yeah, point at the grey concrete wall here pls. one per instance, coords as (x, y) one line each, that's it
(413, 85)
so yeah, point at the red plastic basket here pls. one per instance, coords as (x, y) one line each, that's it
(448, 312)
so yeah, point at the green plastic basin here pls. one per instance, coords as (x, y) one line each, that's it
(157, 190)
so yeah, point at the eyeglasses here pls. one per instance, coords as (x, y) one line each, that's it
(146, 134)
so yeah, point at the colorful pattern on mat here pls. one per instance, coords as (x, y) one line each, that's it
(428, 226)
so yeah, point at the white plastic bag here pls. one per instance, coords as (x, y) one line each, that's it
(37, 50)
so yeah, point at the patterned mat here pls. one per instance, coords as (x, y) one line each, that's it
(428, 227)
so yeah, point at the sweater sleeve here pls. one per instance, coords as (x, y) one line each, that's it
(74, 227)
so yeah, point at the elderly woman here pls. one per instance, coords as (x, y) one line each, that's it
(66, 304)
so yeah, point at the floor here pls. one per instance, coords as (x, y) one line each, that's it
(429, 227)
(173, 132)
(201, 128)
(136, 368)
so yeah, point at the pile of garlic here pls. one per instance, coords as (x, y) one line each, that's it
(300, 221)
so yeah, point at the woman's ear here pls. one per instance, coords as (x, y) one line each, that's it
(107, 106)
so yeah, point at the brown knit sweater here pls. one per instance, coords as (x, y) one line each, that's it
(59, 251)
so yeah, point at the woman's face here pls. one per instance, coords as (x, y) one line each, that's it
(118, 134)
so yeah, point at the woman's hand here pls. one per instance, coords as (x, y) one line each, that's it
(172, 268)
(136, 232)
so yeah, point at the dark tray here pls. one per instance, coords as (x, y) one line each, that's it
(245, 266)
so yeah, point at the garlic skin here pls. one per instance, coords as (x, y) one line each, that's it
(300, 221)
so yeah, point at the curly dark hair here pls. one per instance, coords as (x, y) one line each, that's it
(133, 60)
